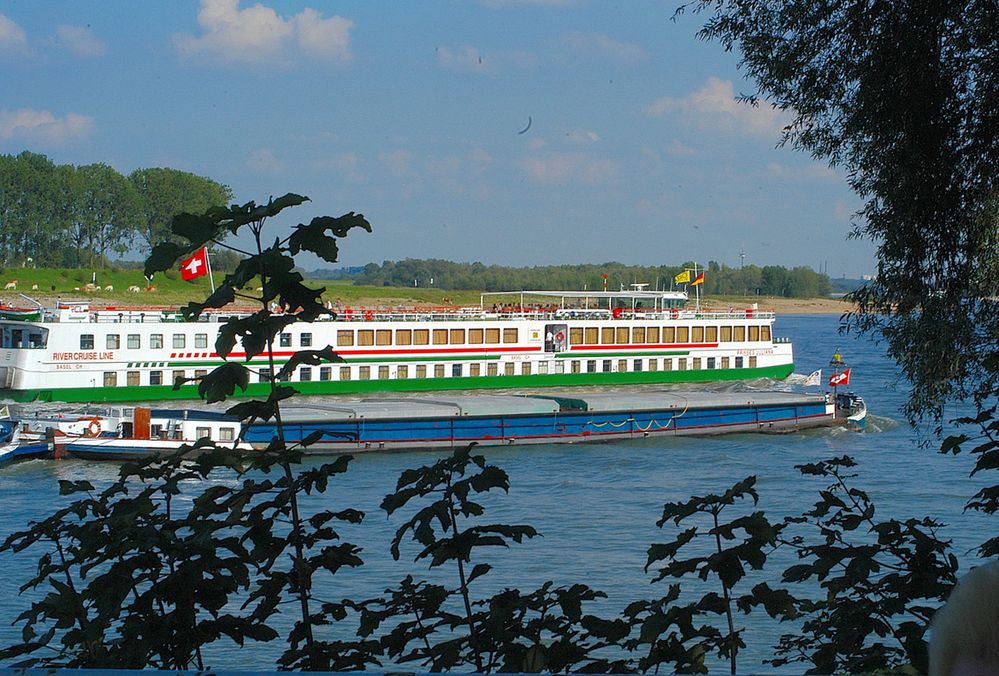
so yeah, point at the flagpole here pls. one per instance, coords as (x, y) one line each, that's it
(211, 276)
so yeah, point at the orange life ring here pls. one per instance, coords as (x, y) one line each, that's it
(94, 428)
(560, 336)
(369, 315)
(616, 312)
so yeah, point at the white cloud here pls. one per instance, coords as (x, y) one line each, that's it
(571, 167)
(469, 59)
(258, 34)
(43, 127)
(582, 136)
(264, 160)
(397, 162)
(679, 149)
(79, 40)
(12, 37)
(603, 46)
(349, 166)
(813, 171)
(714, 106)
(500, 4)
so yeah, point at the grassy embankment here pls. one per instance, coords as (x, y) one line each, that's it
(171, 290)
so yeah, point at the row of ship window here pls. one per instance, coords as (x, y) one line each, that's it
(133, 341)
(492, 368)
(578, 335)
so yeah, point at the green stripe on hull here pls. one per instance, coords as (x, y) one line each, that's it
(166, 392)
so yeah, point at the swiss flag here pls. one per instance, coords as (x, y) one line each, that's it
(196, 265)
(840, 378)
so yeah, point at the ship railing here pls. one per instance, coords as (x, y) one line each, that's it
(545, 314)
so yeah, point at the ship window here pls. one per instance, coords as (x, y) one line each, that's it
(202, 433)
(457, 337)
(697, 334)
(724, 362)
(607, 335)
(201, 340)
(200, 373)
(638, 335)
(697, 364)
(669, 334)
(765, 333)
(402, 372)
(542, 367)
(492, 336)
(283, 375)
(438, 370)
(178, 376)
(305, 340)
(576, 335)
(652, 334)
(637, 366)
(525, 368)
(607, 366)
(623, 333)
(575, 366)
(752, 362)
(110, 379)
(383, 337)
(179, 340)
(711, 362)
(509, 335)
(653, 364)
(227, 434)
(682, 334)
(622, 365)
(305, 374)
(754, 333)
(738, 362)
(264, 375)
(726, 334)
(739, 334)
(113, 341)
(325, 372)
(156, 341)
(456, 370)
(711, 334)
(132, 378)
(156, 377)
(492, 368)
(404, 337)
(87, 341)
(681, 364)
(421, 337)
(591, 366)
(592, 335)
(440, 336)
(134, 342)
(344, 337)
(344, 373)
(667, 364)
(508, 368)
(366, 337)
(364, 373)
(475, 370)
(475, 336)
(284, 340)
(421, 371)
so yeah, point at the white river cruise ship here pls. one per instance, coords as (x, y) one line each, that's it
(79, 353)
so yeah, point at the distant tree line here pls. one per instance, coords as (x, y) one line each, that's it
(78, 216)
(770, 280)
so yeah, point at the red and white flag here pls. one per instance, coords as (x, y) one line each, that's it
(840, 378)
(196, 265)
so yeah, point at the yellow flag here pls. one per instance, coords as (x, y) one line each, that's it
(682, 277)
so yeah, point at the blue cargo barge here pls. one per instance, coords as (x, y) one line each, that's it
(452, 421)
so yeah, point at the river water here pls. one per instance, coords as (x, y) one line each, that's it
(596, 506)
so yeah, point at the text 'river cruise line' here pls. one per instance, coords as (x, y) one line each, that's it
(75, 352)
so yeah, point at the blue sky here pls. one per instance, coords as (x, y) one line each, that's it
(414, 114)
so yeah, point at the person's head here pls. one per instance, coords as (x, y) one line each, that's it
(964, 634)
